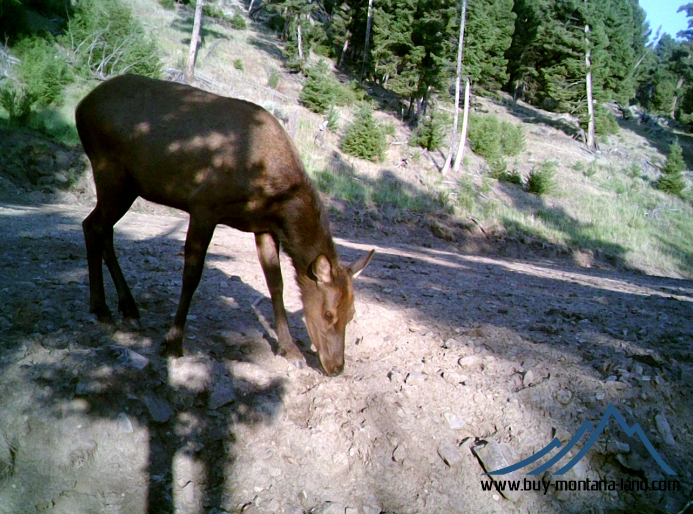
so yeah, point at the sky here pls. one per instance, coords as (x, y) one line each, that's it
(663, 12)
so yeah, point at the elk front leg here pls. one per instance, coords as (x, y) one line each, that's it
(268, 253)
(196, 244)
(93, 227)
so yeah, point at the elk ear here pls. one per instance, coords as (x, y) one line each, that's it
(357, 267)
(322, 269)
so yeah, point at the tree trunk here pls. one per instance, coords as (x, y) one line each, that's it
(192, 54)
(367, 48)
(465, 123)
(344, 51)
(679, 85)
(300, 40)
(250, 7)
(588, 82)
(460, 46)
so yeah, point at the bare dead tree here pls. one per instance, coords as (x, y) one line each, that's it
(192, 54)
(460, 53)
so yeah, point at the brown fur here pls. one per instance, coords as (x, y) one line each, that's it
(222, 160)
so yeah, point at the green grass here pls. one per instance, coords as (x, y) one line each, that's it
(622, 217)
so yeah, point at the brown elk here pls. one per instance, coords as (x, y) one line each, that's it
(225, 161)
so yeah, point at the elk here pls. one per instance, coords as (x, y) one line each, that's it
(223, 161)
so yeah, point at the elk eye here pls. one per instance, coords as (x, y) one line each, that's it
(329, 317)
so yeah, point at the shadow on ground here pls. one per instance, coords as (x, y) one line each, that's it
(579, 314)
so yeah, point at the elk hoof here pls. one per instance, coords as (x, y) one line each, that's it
(173, 344)
(295, 357)
(103, 314)
(129, 310)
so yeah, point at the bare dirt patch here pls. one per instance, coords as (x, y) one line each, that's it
(448, 352)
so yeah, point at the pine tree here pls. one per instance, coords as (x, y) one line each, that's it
(672, 181)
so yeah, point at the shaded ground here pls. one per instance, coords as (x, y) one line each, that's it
(448, 351)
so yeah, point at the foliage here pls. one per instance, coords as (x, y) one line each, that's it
(547, 55)
(513, 140)
(17, 103)
(485, 136)
(23, 18)
(43, 69)
(430, 135)
(107, 40)
(365, 137)
(541, 180)
(321, 90)
(604, 122)
(238, 64)
(672, 181)
(238, 22)
(274, 78)
(332, 120)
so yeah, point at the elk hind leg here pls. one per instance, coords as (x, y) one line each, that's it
(268, 253)
(112, 204)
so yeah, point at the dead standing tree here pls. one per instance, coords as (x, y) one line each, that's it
(460, 54)
(192, 54)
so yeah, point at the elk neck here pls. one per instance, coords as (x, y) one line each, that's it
(306, 232)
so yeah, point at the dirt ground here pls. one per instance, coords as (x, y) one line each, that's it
(452, 356)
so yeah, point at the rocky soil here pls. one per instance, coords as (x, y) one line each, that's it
(455, 361)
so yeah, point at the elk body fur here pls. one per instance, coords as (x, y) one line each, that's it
(221, 160)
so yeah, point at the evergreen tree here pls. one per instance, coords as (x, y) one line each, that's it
(547, 55)
(672, 181)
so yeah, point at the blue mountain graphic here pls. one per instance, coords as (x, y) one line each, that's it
(584, 428)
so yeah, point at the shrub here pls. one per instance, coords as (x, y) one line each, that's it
(541, 179)
(238, 64)
(107, 40)
(513, 141)
(18, 104)
(274, 77)
(431, 134)
(485, 136)
(365, 137)
(514, 177)
(332, 120)
(238, 22)
(321, 90)
(43, 68)
(604, 122)
(672, 182)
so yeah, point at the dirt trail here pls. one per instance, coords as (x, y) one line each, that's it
(447, 352)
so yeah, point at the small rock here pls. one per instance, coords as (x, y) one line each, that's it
(469, 360)
(616, 446)
(399, 454)
(293, 510)
(450, 454)
(124, 424)
(351, 510)
(369, 509)
(160, 411)
(450, 343)
(493, 457)
(600, 396)
(273, 506)
(664, 429)
(454, 378)
(564, 396)
(415, 378)
(223, 393)
(528, 379)
(454, 422)
(130, 358)
(329, 508)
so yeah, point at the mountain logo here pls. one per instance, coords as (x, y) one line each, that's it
(584, 428)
